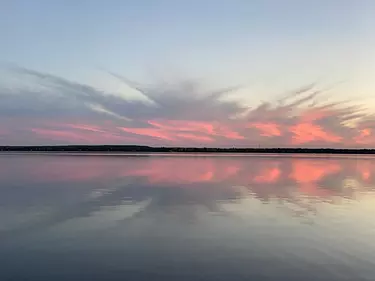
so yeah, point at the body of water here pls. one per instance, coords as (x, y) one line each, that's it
(178, 217)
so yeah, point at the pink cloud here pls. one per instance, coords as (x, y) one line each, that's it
(209, 128)
(267, 129)
(226, 132)
(182, 125)
(80, 135)
(191, 130)
(311, 115)
(194, 138)
(85, 127)
(308, 132)
(149, 132)
(365, 136)
(191, 115)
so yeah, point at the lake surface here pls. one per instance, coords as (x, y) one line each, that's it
(176, 217)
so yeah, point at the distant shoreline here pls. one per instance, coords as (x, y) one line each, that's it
(149, 149)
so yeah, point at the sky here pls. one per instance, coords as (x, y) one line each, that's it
(270, 73)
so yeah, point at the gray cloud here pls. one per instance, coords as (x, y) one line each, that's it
(43, 102)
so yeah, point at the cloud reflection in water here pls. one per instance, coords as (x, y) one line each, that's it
(72, 187)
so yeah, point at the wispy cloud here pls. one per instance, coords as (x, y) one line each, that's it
(41, 108)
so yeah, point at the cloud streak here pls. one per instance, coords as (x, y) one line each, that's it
(41, 108)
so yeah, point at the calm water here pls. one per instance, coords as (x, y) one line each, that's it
(186, 218)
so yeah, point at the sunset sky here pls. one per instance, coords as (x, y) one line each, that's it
(268, 73)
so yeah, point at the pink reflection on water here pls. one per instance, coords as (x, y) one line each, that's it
(265, 176)
(366, 170)
(308, 171)
(269, 173)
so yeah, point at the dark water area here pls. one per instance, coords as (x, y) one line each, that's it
(176, 217)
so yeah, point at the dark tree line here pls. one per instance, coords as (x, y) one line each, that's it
(139, 148)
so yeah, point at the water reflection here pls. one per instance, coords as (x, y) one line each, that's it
(231, 216)
(178, 185)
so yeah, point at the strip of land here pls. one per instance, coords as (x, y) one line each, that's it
(150, 149)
